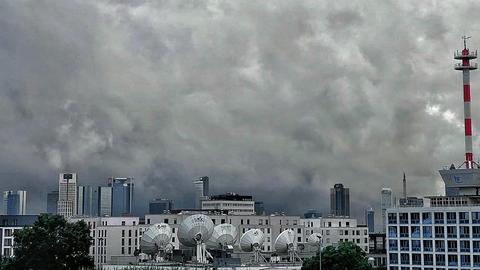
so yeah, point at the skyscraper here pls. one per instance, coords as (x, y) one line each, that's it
(15, 203)
(387, 201)
(104, 201)
(160, 206)
(370, 219)
(122, 196)
(67, 194)
(52, 201)
(339, 200)
(86, 201)
(201, 190)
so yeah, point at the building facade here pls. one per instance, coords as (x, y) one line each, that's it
(387, 201)
(67, 194)
(336, 230)
(52, 202)
(122, 196)
(104, 201)
(15, 202)
(339, 201)
(202, 189)
(8, 225)
(233, 203)
(160, 206)
(370, 219)
(430, 238)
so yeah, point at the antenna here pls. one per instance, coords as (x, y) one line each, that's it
(465, 41)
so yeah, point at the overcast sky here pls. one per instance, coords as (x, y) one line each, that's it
(277, 99)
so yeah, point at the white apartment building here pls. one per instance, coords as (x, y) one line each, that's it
(336, 230)
(8, 225)
(428, 238)
(114, 238)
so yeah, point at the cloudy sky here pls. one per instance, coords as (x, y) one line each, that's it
(278, 99)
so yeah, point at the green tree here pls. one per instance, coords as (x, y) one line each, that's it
(52, 243)
(345, 256)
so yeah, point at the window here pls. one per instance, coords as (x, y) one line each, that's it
(428, 259)
(476, 231)
(440, 259)
(439, 245)
(404, 245)
(463, 218)
(464, 232)
(393, 258)
(452, 246)
(451, 232)
(439, 219)
(427, 218)
(123, 222)
(465, 260)
(416, 259)
(129, 233)
(452, 260)
(392, 231)
(415, 232)
(404, 258)
(451, 217)
(475, 219)
(427, 231)
(392, 218)
(403, 218)
(464, 246)
(123, 233)
(403, 231)
(415, 218)
(427, 245)
(165, 220)
(416, 246)
(476, 246)
(439, 232)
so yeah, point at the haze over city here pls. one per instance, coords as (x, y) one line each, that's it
(280, 100)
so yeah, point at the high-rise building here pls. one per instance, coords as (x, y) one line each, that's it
(339, 201)
(67, 194)
(87, 201)
(370, 219)
(259, 208)
(122, 196)
(160, 206)
(104, 201)
(15, 202)
(201, 190)
(52, 202)
(387, 201)
(232, 203)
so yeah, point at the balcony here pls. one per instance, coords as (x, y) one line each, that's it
(470, 66)
(460, 55)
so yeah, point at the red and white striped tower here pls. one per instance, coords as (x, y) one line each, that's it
(465, 66)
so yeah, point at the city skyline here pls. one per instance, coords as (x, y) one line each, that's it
(288, 99)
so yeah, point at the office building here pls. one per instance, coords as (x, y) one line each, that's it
(67, 194)
(87, 201)
(260, 208)
(370, 219)
(339, 201)
(104, 201)
(15, 202)
(8, 225)
(410, 201)
(232, 203)
(434, 237)
(122, 196)
(52, 202)
(201, 190)
(160, 206)
(387, 201)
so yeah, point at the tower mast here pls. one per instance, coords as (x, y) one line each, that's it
(465, 66)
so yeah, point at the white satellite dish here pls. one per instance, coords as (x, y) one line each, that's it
(285, 241)
(252, 241)
(223, 235)
(315, 239)
(194, 231)
(156, 238)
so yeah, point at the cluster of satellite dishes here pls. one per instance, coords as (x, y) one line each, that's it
(198, 231)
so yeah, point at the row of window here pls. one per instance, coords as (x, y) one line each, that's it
(428, 245)
(438, 231)
(437, 259)
(436, 217)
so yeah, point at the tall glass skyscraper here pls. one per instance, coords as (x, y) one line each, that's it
(339, 201)
(122, 196)
(104, 195)
(201, 190)
(15, 202)
(370, 219)
(52, 200)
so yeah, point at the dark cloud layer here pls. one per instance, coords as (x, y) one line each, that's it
(279, 99)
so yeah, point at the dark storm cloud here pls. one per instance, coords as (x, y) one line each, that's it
(279, 99)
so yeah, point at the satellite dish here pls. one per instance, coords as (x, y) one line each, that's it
(195, 229)
(284, 241)
(223, 235)
(251, 239)
(156, 238)
(315, 239)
